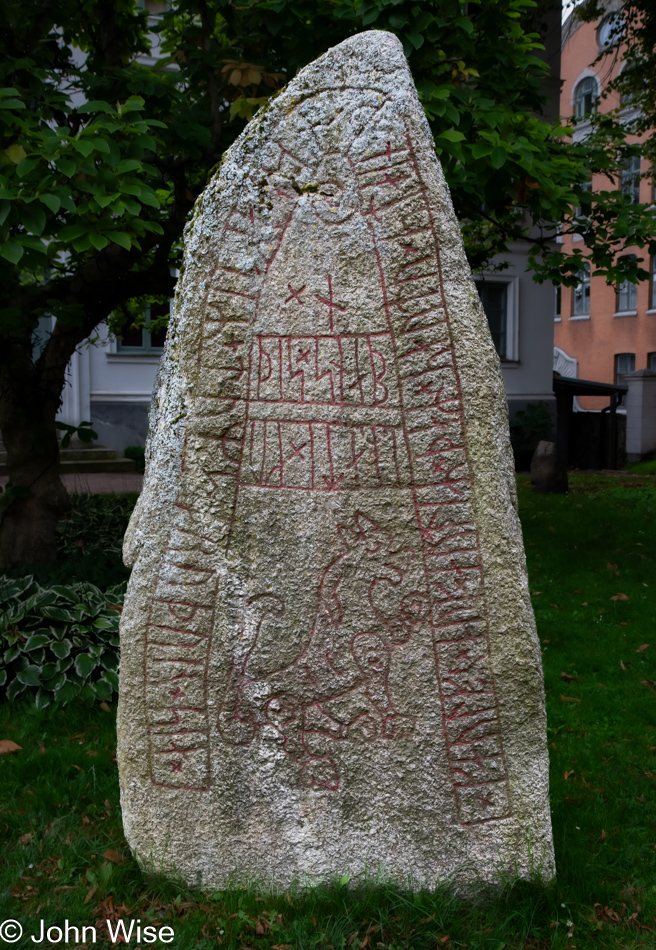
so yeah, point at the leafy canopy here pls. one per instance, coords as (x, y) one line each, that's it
(112, 116)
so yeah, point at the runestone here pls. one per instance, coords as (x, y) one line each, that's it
(329, 662)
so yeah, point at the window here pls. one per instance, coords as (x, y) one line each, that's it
(610, 31)
(558, 301)
(631, 179)
(579, 210)
(652, 285)
(585, 97)
(494, 297)
(500, 299)
(624, 363)
(651, 362)
(627, 295)
(581, 294)
(143, 339)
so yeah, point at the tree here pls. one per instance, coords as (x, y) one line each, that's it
(106, 142)
(631, 38)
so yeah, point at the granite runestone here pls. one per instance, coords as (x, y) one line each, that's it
(329, 662)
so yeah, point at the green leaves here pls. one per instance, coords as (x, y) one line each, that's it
(29, 675)
(58, 644)
(75, 192)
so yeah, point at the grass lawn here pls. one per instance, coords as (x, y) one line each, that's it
(591, 559)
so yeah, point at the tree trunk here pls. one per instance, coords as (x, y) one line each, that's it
(35, 498)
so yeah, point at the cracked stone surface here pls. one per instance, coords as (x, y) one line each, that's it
(329, 658)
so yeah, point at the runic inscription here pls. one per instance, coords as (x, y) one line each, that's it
(284, 412)
(328, 609)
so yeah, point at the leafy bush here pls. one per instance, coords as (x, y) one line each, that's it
(58, 643)
(138, 454)
(95, 526)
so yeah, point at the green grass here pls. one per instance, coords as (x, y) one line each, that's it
(648, 467)
(60, 813)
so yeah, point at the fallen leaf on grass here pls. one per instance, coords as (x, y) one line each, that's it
(570, 679)
(92, 752)
(650, 684)
(86, 820)
(105, 707)
(77, 767)
(7, 747)
(90, 893)
(567, 774)
(611, 567)
(650, 775)
(607, 914)
(641, 649)
(42, 748)
(640, 798)
(622, 665)
(25, 839)
(584, 604)
(557, 606)
(602, 835)
(115, 856)
(619, 597)
(64, 887)
(569, 699)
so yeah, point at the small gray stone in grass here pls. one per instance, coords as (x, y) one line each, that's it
(329, 661)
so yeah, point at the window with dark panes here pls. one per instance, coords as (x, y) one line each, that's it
(144, 339)
(627, 295)
(581, 293)
(631, 179)
(494, 297)
(585, 97)
(624, 363)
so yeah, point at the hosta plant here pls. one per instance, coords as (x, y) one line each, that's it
(58, 643)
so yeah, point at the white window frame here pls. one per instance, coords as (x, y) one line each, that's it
(585, 279)
(512, 312)
(620, 376)
(628, 290)
(613, 37)
(577, 96)
(146, 354)
(630, 180)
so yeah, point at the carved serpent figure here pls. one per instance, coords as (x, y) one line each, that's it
(336, 689)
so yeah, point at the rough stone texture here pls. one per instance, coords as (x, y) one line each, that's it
(548, 474)
(329, 658)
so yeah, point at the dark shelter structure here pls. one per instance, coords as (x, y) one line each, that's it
(589, 439)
